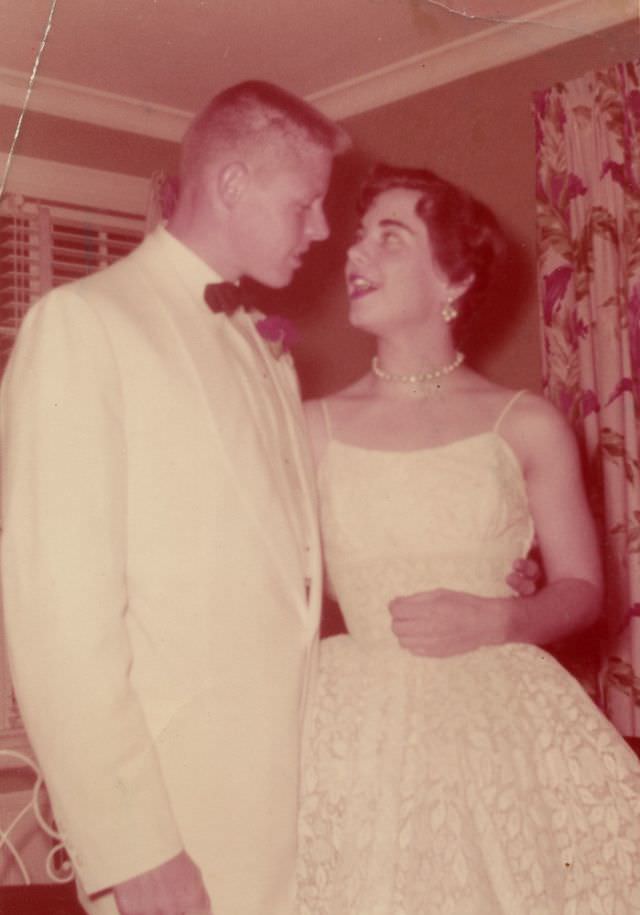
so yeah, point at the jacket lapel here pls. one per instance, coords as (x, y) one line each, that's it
(300, 485)
(285, 384)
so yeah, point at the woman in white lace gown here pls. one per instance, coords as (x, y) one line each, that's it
(452, 767)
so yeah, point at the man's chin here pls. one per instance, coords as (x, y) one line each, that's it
(279, 280)
(275, 277)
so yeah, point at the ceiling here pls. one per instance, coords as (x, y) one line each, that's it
(145, 65)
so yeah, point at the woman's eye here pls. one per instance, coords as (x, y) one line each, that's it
(390, 239)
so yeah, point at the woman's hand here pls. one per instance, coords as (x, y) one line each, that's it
(441, 623)
(525, 577)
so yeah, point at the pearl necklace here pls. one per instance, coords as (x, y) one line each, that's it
(430, 375)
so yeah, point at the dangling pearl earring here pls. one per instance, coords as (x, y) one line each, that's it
(449, 311)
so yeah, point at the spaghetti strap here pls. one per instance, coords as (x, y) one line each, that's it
(507, 407)
(324, 406)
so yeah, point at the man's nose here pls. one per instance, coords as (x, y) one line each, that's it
(317, 225)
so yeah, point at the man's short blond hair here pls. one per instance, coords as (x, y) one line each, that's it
(253, 117)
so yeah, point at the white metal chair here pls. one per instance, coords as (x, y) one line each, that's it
(56, 864)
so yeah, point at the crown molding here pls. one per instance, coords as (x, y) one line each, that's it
(492, 47)
(88, 187)
(499, 44)
(91, 106)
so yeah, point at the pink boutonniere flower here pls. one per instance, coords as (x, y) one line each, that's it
(280, 334)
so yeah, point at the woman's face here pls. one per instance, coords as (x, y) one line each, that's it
(392, 279)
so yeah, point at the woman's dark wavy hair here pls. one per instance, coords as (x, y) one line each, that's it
(464, 234)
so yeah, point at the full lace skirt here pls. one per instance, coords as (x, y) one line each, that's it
(485, 784)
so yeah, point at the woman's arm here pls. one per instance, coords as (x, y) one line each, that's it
(442, 622)
(564, 526)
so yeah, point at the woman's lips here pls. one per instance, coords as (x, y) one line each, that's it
(358, 285)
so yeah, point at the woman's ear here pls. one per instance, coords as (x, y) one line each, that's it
(231, 183)
(458, 289)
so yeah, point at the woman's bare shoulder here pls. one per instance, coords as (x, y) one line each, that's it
(351, 394)
(538, 432)
(321, 412)
(534, 413)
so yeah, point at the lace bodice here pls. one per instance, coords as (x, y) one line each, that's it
(394, 523)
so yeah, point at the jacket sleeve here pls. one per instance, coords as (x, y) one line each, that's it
(64, 576)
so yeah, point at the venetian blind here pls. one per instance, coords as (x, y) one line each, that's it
(44, 244)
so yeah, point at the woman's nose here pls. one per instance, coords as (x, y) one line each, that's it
(356, 253)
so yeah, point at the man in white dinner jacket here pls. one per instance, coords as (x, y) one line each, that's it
(161, 567)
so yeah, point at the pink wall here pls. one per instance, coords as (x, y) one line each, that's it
(46, 137)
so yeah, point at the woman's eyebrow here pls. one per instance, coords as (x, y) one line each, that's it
(397, 224)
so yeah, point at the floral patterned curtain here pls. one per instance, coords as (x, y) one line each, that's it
(588, 208)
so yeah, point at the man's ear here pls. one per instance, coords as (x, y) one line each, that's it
(232, 181)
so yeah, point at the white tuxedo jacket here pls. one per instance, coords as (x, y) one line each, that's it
(161, 578)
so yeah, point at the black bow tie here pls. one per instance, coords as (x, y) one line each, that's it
(225, 297)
